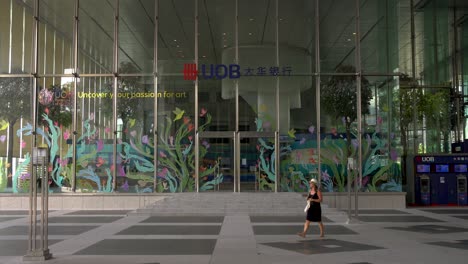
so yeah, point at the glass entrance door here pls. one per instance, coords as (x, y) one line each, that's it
(256, 161)
(216, 162)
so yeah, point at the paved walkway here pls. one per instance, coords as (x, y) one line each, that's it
(242, 228)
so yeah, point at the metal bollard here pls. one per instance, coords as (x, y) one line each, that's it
(39, 164)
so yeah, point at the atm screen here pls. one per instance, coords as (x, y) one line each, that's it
(461, 168)
(422, 168)
(442, 168)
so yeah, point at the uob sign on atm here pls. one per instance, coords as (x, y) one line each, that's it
(211, 71)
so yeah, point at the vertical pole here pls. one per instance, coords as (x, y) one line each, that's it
(236, 159)
(45, 227)
(349, 170)
(44, 189)
(114, 102)
(359, 110)
(75, 89)
(387, 69)
(317, 86)
(39, 162)
(21, 138)
(455, 84)
(34, 206)
(277, 132)
(236, 84)
(10, 40)
(33, 186)
(413, 73)
(155, 86)
(197, 141)
(414, 91)
(462, 81)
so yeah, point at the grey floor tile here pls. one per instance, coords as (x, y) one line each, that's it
(99, 212)
(321, 246)
(447, 211)
(53, 230)
(4, 219)
(150, 247)
(282, 219)
(19, 212)
(184, 219)
(294, 229)
(171, 230)
(459, 244)
(397, 218)
(87, 219)
(18, 247)
(461, 216)
(381, 211)
(14, 212)
(430, 229)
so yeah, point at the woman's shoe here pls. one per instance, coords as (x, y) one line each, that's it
(301, 234)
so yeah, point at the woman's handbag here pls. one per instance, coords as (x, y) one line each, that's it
(307, 207)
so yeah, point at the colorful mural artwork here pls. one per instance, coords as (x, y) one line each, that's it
(266, 151)
(176, 157)
(266, 165)
(3, 175)
(94, 164)
(61, 169)
(298, 162)
(380, 168)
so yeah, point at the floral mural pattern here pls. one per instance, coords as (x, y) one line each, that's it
(176, 170)
(380, 172)
(94, 165)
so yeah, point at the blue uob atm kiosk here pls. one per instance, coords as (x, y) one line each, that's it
(441, 179)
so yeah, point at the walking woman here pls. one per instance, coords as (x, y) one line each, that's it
(314, 213)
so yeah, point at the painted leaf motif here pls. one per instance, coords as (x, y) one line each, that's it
(178, 113)
(3, 125)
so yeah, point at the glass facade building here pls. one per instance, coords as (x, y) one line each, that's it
(229, 95)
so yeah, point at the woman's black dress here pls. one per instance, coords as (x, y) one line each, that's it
(314, 214)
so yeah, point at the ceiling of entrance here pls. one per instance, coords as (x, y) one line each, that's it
(256, 26)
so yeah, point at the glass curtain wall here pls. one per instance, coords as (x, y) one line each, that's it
(176, 113)
(141, 96)
(297, 38)
(383, 26)
(463, 80)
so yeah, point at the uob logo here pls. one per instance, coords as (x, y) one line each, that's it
(428, 159)
(218, 71)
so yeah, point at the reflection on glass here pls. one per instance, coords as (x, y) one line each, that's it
(337, 34)
(135, 163)
(176, 142)
(94, 162)
(136, 35)
(96, 36)
(257, 170)
(15, 134)
(15, 37)
(216, 164)
(56, 38)
(382, 24)
(216, 38)
(55, 120)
